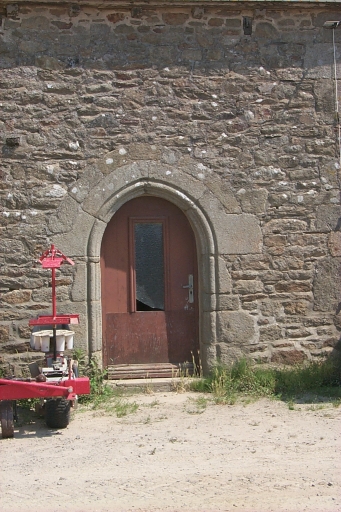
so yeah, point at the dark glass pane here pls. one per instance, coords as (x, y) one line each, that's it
(149, 266)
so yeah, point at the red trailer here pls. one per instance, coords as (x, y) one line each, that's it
(57, 384)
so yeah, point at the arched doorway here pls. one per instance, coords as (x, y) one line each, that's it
(149, 283)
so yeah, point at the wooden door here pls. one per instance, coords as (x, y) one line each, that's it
(149, 285)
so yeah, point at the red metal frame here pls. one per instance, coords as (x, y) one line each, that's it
(13, 389)
(52, 259)
(18, 390)
(54, 320)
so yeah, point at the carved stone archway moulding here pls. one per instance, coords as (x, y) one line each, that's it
(217, 231)
(205, 249)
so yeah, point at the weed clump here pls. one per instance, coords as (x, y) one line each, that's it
(242, 379)
(322, 376)
(102, 395)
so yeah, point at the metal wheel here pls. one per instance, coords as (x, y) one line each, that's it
(6, 417)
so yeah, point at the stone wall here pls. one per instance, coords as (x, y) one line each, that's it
(184, 100)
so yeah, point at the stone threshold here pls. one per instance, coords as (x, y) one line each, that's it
(150, 385)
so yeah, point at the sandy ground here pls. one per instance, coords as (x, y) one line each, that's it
(178, 452)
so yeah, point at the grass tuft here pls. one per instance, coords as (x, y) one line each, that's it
(102, 395)
(244, 380)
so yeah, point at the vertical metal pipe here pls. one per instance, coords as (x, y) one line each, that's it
(54, 342)
(54, 298)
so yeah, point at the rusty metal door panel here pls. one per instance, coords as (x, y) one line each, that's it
(139, 337)
(182, 336)
(153, 337)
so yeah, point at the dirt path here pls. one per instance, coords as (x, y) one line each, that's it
(178, 452)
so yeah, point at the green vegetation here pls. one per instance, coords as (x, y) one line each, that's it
(115, 405)
(99, 389)
(102, 396)
(25, 411)
(243, 380)
(196, 405)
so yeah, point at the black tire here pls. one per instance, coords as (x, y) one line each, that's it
(57, 413)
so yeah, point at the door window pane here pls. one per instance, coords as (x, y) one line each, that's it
(149, 266)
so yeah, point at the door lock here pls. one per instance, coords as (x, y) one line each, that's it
(190, 288)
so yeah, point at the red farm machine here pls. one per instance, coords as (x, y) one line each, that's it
(57, 383)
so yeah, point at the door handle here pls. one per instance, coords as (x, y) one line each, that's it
(190, 288)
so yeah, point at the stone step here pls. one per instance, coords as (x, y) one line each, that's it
(148, 371)
(157, 385)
